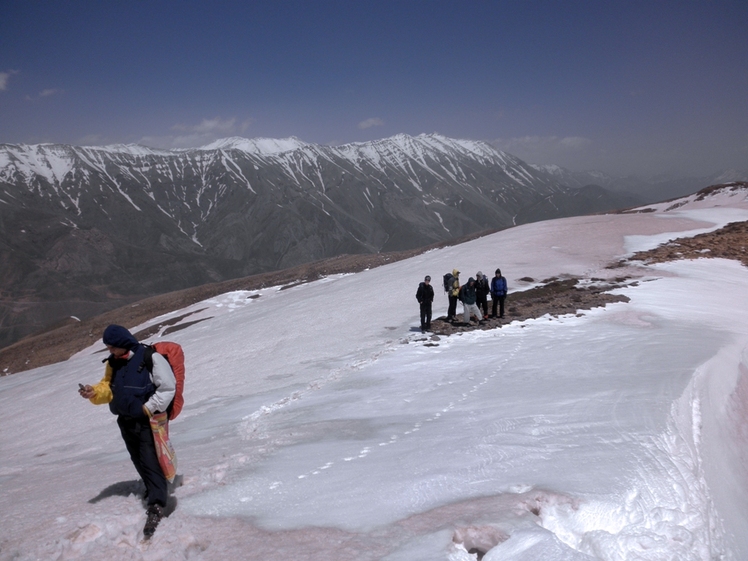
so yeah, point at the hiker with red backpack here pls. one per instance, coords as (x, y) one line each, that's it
(140, 387)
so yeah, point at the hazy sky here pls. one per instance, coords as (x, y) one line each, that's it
(623, 86)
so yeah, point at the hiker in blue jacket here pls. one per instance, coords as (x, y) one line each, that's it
(498, 294)
(134, 394)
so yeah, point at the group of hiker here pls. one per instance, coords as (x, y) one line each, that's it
(473, 295)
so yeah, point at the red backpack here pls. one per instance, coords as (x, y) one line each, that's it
(174, 355)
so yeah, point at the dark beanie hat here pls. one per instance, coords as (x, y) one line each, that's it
(118, 336)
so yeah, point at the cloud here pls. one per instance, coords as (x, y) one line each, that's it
(45, 93)
(542, 142)
(193, 140)
(5, 78)
(574, 152)
(91, 140)
(210, 126)
(372, 122)
(575, 142)
(200, 134)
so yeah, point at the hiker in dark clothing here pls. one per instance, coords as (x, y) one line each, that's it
(134, 394)
(425, 297)
(481, 293)
(498, 294)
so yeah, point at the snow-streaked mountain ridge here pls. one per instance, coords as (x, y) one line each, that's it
(55, 161)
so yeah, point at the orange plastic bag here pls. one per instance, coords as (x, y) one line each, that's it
(167, 457)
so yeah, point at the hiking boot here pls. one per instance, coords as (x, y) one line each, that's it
(154, 513)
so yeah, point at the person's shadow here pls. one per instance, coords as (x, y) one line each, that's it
(121, 489)
(137, 488)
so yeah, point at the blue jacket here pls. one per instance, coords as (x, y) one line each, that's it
(498, 286)
(131, 384)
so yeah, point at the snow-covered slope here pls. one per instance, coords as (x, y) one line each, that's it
(318, 425)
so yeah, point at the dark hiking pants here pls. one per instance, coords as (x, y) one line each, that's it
(138, 438)
(452, 311)
(426, 314)
(498, 301)
(482, 302)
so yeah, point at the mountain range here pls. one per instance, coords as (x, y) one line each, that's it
(87, 229)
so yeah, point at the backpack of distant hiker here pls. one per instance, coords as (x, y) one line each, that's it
(174, 355)
(448, 280)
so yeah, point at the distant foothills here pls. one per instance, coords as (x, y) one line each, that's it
(88, 229)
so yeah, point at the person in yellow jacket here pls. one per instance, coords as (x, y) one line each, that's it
(453, 294)
(135, 390)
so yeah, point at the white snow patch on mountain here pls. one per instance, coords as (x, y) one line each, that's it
(129, 149)
(262, 146)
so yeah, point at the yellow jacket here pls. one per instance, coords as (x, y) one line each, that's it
(102, 390)
(455, 283)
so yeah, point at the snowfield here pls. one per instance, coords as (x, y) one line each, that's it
(319, 425)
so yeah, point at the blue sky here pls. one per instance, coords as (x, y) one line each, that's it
(631, 86)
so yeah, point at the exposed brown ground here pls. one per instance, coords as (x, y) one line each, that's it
(730, 242)
(555, 296)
